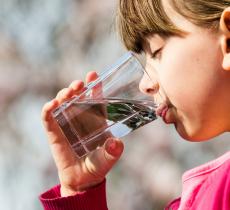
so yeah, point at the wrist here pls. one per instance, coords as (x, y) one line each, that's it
(71, 191)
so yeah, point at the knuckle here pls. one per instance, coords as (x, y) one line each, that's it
(76, 82)
(62, 92)
(45, 108)
(77, 85)
(45, 111)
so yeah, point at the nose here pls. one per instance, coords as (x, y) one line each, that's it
(148, 85)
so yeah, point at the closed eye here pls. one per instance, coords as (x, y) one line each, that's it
(157, 53)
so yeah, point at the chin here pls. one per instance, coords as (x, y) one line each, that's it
(195, 135)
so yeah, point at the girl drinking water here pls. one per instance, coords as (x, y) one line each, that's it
(187, 49)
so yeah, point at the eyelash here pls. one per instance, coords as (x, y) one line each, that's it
(156, 53)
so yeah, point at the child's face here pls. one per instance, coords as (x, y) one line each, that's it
(191, 79)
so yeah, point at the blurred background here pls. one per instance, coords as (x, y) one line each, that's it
(44, 45)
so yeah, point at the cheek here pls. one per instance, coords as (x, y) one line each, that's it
(179, 82)
(188, 73)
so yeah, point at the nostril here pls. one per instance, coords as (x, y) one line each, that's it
(153, 89)
(150, 91)
(228, 46)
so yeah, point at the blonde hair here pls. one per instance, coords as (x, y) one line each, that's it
(138, 18)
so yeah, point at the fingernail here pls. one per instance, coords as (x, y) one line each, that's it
(111, 146)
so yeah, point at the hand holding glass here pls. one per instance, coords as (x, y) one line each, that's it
(112, 105)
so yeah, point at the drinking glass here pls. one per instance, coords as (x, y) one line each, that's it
(111, 106)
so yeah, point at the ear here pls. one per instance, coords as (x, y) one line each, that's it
(225, 38)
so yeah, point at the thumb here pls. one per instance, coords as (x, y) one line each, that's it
(102, 160)
(113, 149)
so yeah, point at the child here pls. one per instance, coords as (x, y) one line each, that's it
(187, 50)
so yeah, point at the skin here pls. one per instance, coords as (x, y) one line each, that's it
(76, 174)
(191, 73)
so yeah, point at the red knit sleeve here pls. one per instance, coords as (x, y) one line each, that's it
(92, 199)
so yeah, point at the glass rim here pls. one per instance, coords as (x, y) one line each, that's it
(103, 75)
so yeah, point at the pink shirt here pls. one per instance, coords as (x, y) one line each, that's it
(206, 187)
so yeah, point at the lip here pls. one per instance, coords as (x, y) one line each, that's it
(162, 111)
(163, 106)
(163, 114)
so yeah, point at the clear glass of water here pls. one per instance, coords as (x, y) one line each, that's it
(112, 105)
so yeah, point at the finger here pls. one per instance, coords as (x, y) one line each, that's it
(97, 89)
(102, 160)
(63, 155)
(91, 76)
(64, 94)
(51, 126)
(46, 113)
(60, 148)
(77, 86)
(113, 148)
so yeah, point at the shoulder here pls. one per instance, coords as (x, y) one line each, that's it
(215, 191)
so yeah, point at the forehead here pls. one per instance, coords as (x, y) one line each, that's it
(177, 19)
